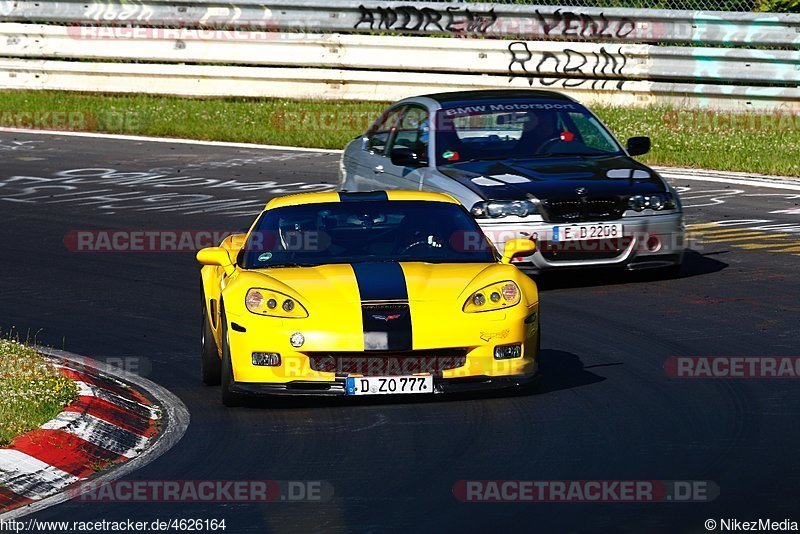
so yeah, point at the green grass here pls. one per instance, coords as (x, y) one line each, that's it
(31, 390)
(753, 144)
(747, 142)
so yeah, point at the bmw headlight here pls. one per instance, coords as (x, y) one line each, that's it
(268, 302)
(495, 209)
(656, 202)
(494, 297)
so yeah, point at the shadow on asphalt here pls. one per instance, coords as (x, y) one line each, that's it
(694, 264)
(560, 370)
(564, 370)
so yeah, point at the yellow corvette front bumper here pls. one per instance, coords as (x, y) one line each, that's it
(459, 356)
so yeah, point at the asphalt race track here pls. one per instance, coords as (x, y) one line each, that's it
(607, 409)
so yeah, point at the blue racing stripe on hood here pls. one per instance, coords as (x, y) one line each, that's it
(370, 195)
(380, 281)
(385, 311)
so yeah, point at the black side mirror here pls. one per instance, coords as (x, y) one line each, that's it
(405, 157)
(638, 146)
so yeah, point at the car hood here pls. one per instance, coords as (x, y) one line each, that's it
(556, 177)
(348, 283)
(357, 307)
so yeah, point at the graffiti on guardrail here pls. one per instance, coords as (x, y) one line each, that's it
(228, 14)
(410, 18)
(574, 25)
(109, 11)
(569, 68)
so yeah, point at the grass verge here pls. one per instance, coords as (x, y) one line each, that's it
(747, 142)
(32, 391)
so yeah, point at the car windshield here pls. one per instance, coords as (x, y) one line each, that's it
(519, 129)
(365, 231)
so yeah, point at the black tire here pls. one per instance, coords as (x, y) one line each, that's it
(229, 398)
(211, 366)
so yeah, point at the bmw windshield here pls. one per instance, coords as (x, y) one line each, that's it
(366, 231)
(519, 129)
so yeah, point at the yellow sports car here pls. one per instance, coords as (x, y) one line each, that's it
(394, 292)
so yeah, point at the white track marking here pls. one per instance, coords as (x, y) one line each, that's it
(734, 178)
(171, 140)
(738, 178)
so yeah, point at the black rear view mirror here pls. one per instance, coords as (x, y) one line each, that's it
(405, 157)
(638, 146)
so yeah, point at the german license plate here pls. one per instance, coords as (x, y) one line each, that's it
(585, 232)
(389, 385)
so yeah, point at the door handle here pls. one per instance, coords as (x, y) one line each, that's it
(379, 169)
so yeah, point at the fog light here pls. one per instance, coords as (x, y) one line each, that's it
(266, 359)
(653, 243)
(507, 352)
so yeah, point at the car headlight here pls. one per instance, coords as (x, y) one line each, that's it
(495, 209)
(494, 297)
(657, 202)
(268, 302)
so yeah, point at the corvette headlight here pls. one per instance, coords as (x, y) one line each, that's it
(657, 202)
(495, 209)
(494, 297)
(268, 302)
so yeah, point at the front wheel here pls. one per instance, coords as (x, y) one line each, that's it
(229, 398)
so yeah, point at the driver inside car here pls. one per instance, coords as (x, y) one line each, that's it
(538, 130)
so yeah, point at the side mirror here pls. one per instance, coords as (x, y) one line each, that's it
(638, 146)
(405, 157)
(517, 247)
(234, 242)
(216, 256)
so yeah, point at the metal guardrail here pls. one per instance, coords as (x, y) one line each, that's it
(247, 49)
(293, 83)
(546, 62)
(530, 22)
